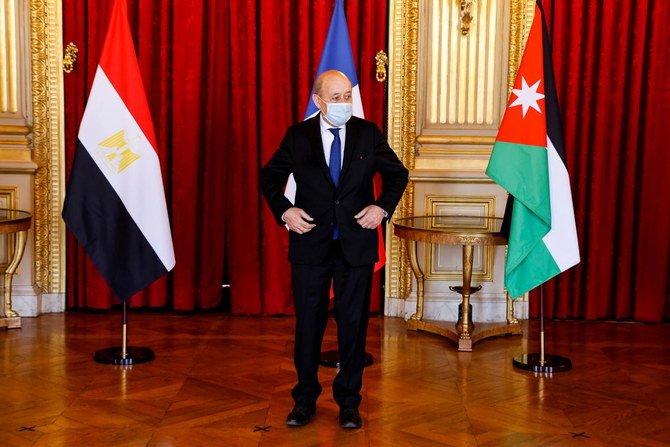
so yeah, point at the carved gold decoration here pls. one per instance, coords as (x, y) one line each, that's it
(381, 60)
(403, 51)
(466, 16)
(70, 57)
(410, 59)
(47, 87)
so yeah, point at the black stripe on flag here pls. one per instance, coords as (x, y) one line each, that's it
(97, 217)
(554, 128)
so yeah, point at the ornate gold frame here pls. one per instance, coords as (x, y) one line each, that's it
(486, 204)
(48, 143)
(402, 85)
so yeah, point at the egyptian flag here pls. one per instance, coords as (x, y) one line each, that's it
(337, 55)
(115, 203)
(528, 160)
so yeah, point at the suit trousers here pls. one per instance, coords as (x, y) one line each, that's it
(311, 289)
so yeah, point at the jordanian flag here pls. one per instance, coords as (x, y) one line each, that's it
(528, 160)
(115, 203)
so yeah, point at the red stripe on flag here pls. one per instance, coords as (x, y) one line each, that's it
(119, 62)
(529, 128)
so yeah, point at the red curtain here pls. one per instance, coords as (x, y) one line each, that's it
(611, 62)
(224, 80)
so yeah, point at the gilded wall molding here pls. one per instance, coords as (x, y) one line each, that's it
(456, 139)
(403, 52)
(48, 141)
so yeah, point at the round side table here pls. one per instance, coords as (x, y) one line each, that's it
(467, 231)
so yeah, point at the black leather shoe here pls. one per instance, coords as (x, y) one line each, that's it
(300, 415)
(350, 418)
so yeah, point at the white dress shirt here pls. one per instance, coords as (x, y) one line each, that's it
(327, 139)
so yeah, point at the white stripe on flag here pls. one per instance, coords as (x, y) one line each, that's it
(561, 240)
(140, 185)
(357, 101)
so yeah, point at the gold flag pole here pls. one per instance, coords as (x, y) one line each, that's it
(124, 354)
(542, 363)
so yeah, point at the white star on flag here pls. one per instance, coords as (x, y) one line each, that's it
(527, 97)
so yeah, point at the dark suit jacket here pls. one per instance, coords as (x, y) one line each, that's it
(365, 153)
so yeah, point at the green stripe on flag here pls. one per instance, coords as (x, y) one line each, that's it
(523, 171)
(529, 262)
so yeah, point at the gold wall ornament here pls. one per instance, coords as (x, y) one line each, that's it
(70, 57)
(409, 90)
(48, 142)
(466, 16)
(403, 61)
(381, 59)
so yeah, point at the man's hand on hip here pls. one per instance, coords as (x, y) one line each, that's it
(370, 217)
(298, 220)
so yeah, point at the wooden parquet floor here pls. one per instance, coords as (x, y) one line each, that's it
(219, 380)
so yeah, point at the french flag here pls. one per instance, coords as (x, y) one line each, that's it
(115, 203)
(337, 55)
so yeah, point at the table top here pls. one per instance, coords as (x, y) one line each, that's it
(14, 220)
(451, 230)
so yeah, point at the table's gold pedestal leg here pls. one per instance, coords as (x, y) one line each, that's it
(511, 319)
(464, 325)
(463, 331)
(418, 274)
(11, 317)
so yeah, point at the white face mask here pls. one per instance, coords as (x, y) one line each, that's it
(338, 113)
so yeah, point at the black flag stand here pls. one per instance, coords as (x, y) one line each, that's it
(542, 363)
(124, 354)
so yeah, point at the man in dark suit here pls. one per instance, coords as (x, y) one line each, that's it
(333, 157)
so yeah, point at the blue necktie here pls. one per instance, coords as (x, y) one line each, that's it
(335, 156)
(334, 166)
